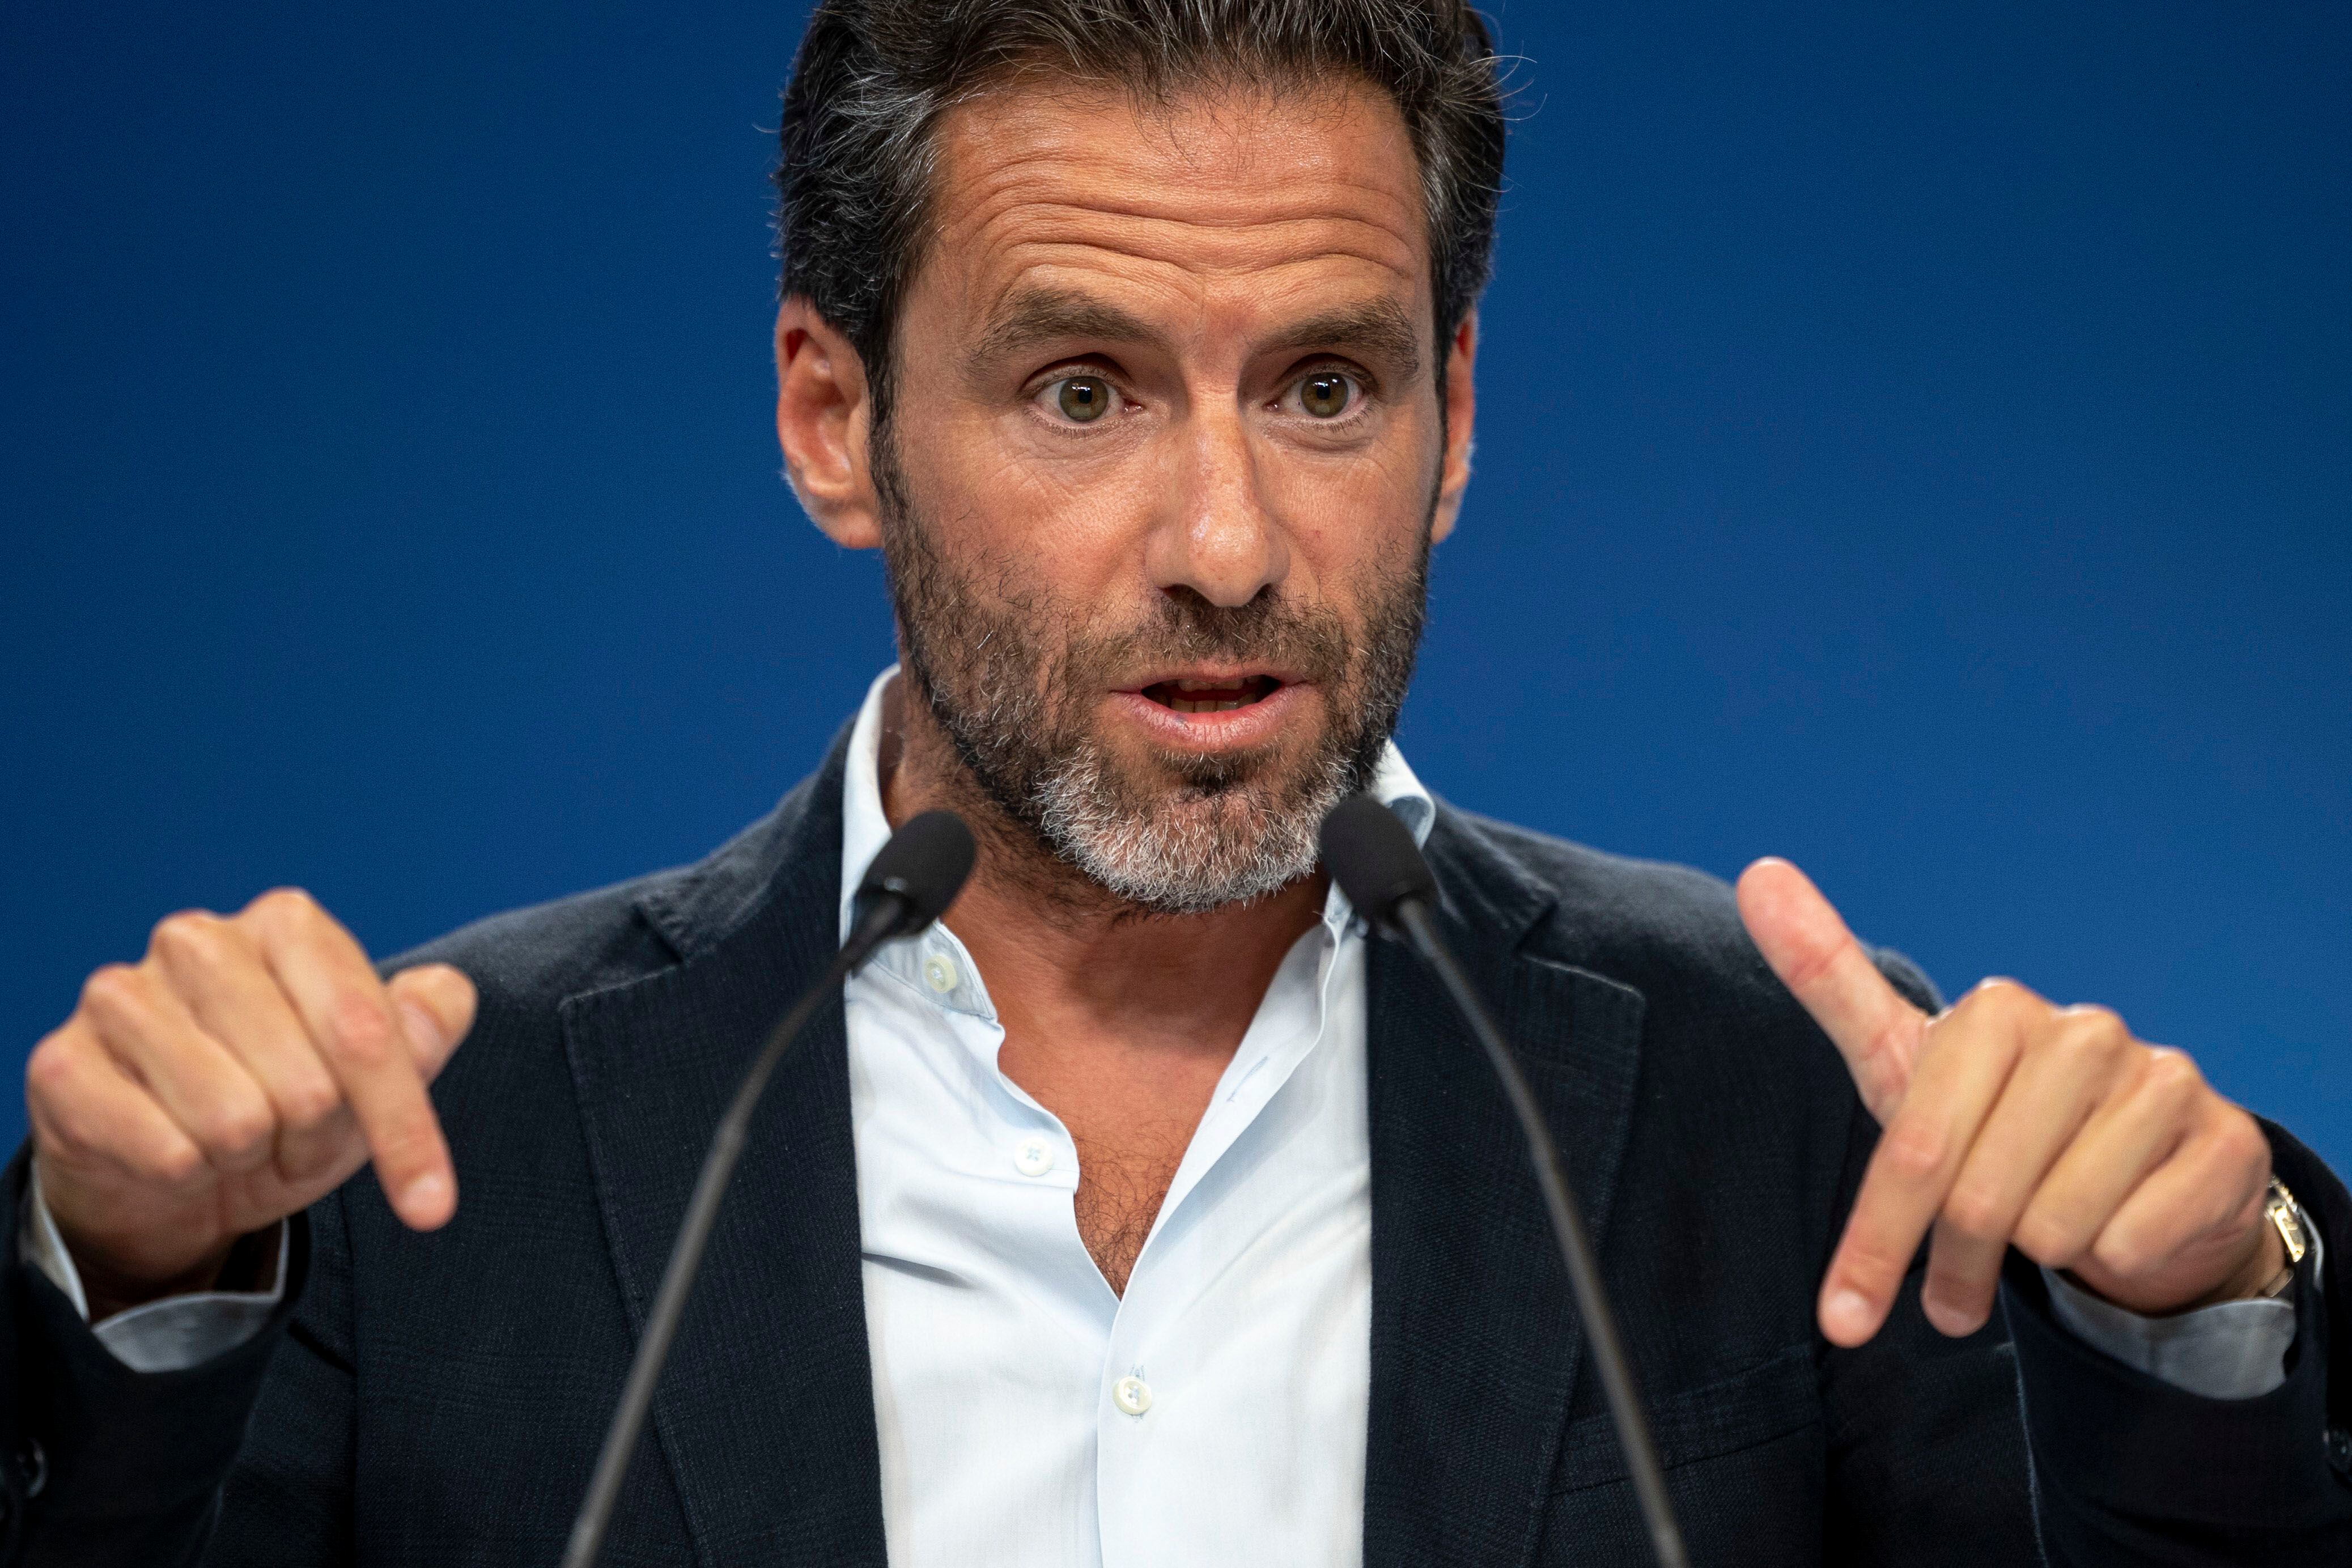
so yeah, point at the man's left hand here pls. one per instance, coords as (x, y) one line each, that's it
(2010, 1122)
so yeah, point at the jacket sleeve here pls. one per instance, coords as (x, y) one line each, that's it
(2022, 1443)
(107, 1466)
(2130, 1469)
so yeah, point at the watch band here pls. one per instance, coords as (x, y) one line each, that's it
(2280, 1210)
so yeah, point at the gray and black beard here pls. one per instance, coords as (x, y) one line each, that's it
(1011, 675)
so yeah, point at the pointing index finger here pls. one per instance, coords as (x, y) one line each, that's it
(1809, 947)
(361, 1036)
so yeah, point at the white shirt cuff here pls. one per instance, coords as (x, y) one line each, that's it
(2231, 1350)
(167, 1336)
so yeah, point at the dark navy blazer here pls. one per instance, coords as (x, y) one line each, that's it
(439, 1399)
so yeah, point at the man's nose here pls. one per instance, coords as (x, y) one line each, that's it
(1216, 535)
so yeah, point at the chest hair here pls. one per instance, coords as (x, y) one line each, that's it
(1119, 1193)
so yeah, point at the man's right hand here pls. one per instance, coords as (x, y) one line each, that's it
(244, 1069)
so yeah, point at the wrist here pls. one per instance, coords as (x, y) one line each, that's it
(2259, 1276)
(110, 1292)
(2281, 1241)
(112, 1268)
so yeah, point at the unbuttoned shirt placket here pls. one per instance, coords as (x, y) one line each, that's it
(1175, 1371)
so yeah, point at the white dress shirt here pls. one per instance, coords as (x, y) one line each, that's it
(1030, 1416)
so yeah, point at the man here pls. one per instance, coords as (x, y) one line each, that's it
(1147, 1212)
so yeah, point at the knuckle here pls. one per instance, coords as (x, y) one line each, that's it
(360, 1032)
(2049, 1238)
(1997, 991)
(2098, 1022)
(1875, 1262)
(2089, 1034)
(2171, 1073)
(409, 1146)
(239, 1125)
(2123, 1256)
(192, 935)
(2242, 1141)
(282, 908)
(2170, 1086)
(112, 991)
(173, 1163)
(1913, 1149)
(287, 900)
(1976, 1212)
(315, 1162)
(49, 1070)
(310, 1098)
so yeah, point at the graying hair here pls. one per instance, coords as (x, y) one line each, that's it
(873, 76)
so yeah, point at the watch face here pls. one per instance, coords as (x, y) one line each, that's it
(2282, 1213)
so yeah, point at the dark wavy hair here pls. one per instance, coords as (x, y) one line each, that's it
(873, 77)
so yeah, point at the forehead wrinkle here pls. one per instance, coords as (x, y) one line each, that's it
(1308, 257)
(1065, 118)
(1011, 180)
(1116, 213)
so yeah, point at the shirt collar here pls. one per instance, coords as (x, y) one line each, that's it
(865, 830)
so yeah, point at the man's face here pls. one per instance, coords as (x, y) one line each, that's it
(1159, 474)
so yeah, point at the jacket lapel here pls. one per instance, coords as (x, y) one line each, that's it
(1475, 1345)
(766, 1412)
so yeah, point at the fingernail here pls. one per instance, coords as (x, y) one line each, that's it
(423, 1029)
(1848, 1313)
(427, 1197)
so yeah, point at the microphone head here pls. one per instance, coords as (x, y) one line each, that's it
(1375, 860)
(922, 868)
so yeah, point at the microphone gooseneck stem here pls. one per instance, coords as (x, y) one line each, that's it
(1413, 916)
(876, 922)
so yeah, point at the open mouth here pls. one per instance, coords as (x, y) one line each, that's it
(1212, 695)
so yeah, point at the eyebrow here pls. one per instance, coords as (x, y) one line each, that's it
(1379, 328)
(1044, 315)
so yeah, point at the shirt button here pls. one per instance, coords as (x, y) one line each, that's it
(1032, 1156)
(1131, 1394)
(939, 972)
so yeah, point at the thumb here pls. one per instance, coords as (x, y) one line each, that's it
(1809, 947)
(436, 1004)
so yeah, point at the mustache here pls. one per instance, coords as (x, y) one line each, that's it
(1313, 644)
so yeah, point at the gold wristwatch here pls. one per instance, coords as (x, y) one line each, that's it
(2280, 1210)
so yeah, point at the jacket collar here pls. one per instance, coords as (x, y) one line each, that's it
(698, 908)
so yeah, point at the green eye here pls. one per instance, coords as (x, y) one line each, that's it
(1327, 395)
(1084, 398)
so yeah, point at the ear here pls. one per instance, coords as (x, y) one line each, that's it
(1461, 405)
(823, 420)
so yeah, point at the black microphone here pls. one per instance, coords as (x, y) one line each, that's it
(910, 884)
(1380, 870)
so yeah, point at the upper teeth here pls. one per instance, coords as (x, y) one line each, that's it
(1189, 685)
(1180, 705)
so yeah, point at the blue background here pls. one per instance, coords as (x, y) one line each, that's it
(1916, 444)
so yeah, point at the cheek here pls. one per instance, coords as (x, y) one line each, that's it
(1073, 524)
(1354, 520)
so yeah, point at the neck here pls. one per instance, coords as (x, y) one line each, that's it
(1064, 958)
